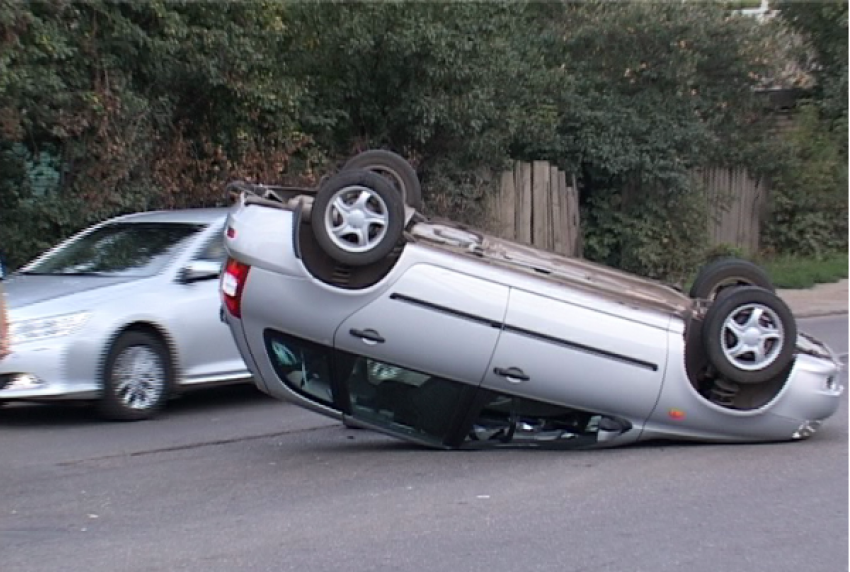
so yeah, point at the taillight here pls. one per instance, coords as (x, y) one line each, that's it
(232, 284)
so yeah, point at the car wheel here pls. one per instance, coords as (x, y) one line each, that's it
(749, 335)
(136, 378)
(393, 167)
(720, 274)
(357, 217)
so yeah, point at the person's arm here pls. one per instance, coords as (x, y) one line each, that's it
(4, 326)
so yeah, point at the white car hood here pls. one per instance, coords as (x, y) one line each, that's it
(24, 290)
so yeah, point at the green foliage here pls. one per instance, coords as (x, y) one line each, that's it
(808, 202)
(724, 250)
(108, 107)
(741, 4)
(431, 80)
(657, 89)
(661, 236)
(823, 24)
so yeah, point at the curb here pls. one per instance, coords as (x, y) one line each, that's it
(819, 313)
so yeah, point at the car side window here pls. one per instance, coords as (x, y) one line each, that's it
(213, 250)
(303, 366)
(410, 402)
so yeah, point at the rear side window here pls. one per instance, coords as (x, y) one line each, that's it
(303, 366)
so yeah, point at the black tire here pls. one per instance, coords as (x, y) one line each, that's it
(384, 203)
(145, 396)
(394, 168)
(720, 340)
(722, 273)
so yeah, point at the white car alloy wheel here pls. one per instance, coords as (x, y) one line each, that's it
(749, 335)
(752, 337)
(138, 377)
(357, 219)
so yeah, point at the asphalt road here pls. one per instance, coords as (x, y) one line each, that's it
(230, 480)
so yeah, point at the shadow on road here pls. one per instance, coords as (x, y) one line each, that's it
(85, 413)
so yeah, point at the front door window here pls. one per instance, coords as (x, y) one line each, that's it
(400, 401)
(404, 402)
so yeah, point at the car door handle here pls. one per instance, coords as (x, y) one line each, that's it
(369, 336)
(512, 374)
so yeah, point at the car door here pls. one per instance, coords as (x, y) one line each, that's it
(569, 354)
(432, 320)
(411, 361)
(206, 346)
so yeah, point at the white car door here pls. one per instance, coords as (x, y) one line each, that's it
(574, 355)
(205, 344)
(431, 320)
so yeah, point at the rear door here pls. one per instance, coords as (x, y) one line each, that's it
(568, 354)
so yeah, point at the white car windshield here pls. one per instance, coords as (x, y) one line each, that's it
(130, 249)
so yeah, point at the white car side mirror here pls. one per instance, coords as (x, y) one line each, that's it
(200, 270)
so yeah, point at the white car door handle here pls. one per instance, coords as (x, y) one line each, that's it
(512, 374)
(368, 336)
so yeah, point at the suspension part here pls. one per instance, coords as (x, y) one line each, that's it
(723, 392)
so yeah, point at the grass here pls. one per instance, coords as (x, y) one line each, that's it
(799, 272)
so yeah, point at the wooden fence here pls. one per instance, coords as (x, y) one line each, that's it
(736, 202)
(536, 205)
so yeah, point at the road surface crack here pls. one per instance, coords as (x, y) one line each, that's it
(188, 446)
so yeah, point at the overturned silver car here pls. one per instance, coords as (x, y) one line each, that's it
(344, 299)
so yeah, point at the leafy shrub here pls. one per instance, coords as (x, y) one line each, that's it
(808, 201)
(661, 236)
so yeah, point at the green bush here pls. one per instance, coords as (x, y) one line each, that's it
(808, 200)
(108, 107)
(661, 236)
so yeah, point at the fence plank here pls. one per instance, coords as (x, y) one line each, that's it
(557, 225)
(540, 203)
(736, 202)
(507, 206)
(754, 226)
(523, 187)
(551, 216)
(564, 215)
(575, 222)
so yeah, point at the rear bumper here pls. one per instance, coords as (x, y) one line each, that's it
(236, 329)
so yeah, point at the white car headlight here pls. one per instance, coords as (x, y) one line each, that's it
(44, 328)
